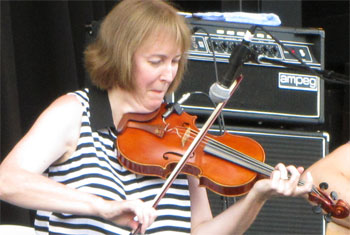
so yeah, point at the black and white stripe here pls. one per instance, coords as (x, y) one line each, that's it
(94, 168)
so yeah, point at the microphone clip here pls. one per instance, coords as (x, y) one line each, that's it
(176, 106)
(171, 107)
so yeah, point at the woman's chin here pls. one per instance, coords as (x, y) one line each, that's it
(153, 106)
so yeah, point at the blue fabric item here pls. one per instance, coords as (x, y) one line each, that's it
(267, 19)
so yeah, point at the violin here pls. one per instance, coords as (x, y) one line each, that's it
(153, 147)
(229, 165)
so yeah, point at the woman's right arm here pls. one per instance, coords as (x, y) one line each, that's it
(54, 136)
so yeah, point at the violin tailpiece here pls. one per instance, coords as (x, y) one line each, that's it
(155, 129)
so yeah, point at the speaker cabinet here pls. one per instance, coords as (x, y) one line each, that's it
(282, 215)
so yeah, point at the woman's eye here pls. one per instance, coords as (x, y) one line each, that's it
(155, 62)
(176, 61)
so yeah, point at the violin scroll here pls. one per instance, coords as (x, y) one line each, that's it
(333, 207)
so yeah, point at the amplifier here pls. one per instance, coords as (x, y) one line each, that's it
(282, 215)
(268, 92)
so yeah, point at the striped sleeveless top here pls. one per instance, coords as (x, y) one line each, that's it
(94, 168)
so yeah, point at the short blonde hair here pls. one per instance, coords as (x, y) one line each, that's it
(109, 59)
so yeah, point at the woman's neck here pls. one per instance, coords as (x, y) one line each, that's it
(118, 100)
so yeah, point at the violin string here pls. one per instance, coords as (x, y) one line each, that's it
(262, 165)
(257, 165)
(253, 163)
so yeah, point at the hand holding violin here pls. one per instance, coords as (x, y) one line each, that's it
(240, 215)
(240, 160)
(284, 180)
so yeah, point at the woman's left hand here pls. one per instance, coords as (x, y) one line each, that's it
(284, 181)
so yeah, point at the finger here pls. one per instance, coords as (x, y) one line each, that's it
(300, 169)
(139, 215)
(282, 172)
(291, 184)
(286, 186)
(148, 215)
(275, 178)
(294, 175)
(134, 225)
(282, 168)
(136, 207)
(308, 183)
(151, 215)
(281, 186)
(146, 219)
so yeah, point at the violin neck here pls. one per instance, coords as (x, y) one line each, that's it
(243, 160)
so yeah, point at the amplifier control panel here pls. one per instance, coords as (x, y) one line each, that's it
(224, 37)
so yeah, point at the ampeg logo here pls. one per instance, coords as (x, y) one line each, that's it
(298, 81)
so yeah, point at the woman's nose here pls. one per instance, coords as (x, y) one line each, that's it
(167, 73)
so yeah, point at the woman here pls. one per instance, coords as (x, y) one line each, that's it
(66, 167)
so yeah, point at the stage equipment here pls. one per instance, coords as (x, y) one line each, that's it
(268, 92)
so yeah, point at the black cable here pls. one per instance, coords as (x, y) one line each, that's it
(210, 41)
(324, 74)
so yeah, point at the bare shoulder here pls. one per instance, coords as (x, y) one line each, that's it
(63, 114)
(53, 135)
(336, 160)
(342, 152)
(68, 102)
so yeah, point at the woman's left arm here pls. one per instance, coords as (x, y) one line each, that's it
(238, 217)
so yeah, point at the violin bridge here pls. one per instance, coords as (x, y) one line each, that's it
(186, 136)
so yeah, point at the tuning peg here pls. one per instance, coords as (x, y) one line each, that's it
(334, 195)
(317, 209)
(327, 218)
(323, 185)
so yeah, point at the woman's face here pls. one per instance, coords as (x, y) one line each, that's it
(155, 67)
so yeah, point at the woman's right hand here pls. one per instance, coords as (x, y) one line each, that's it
(124, 213)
